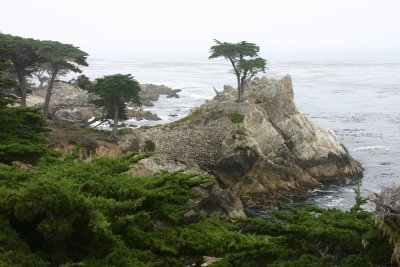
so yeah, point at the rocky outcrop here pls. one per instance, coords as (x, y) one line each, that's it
(150, 93)
(275, 151)
(68, 103)
(72, 104)
(141, 114)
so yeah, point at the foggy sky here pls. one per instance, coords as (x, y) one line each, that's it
(154, 29)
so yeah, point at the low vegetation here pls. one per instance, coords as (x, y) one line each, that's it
(149, 146)
(237, 117)
(192, 116)
(95, 214)
(125, 131)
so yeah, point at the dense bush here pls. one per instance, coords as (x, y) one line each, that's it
(314, 237)
(149, 146)
(95, 214)
(21, 135)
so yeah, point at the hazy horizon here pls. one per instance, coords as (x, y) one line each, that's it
(177, 29)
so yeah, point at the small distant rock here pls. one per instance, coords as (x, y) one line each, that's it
(141, 114)
(150, 93)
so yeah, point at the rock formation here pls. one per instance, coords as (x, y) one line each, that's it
(387, 214)
(258, 150)
(150, 93)
(274, 151)
(69, 103)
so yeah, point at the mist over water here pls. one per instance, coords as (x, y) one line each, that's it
(359, 101)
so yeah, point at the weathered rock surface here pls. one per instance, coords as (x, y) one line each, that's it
(68, 103)
(150, 93)
(274, 152)
(72, 104)
(140, 114)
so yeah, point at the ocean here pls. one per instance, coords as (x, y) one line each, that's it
(358, 100)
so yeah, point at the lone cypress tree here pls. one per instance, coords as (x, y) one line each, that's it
(244, 59)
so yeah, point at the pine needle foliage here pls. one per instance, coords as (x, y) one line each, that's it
(314, 237)
(96, 214)
(21, 136)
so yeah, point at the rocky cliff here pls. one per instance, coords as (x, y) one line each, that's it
(260, 149)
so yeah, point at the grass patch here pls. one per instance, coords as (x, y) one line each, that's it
(193, 115)
(63, 131)
(237, 117)
(125, 131)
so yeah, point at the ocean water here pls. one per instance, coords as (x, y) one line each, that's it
(358, 100)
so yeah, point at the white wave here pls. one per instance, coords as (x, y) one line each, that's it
(374, 148)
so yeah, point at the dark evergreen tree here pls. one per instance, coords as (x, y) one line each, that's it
(21, 136)
(59, 59)
(114, 92)
(244, 59)
(22, 58)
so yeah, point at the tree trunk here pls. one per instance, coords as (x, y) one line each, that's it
(239, 89)
(22, 87)
(237, 73)
(115, 125)
(242, 83)
(49, 92)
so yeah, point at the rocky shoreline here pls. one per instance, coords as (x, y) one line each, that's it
(258, 150)
(72, 104)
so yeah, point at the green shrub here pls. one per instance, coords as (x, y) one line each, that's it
(67, 212)
(125, 131)
(149, 146)
(21, 136)
(314, 237)
(237, 117)
(70, 213)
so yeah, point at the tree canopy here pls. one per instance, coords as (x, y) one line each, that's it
(114, 92)
(21, 135)
(59, 59)
(25, 56)
(20, 54)
(244, 59)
